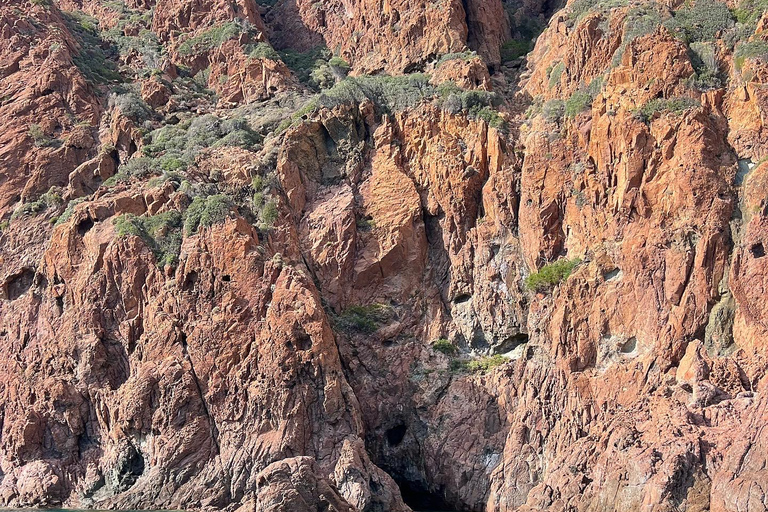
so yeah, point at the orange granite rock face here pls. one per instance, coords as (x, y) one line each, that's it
(233, 278)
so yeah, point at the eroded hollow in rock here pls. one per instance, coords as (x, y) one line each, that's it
(420, 499)
(396, 434)
(18, 284)
(629, 346)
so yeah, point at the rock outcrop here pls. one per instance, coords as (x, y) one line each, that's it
(232, 278)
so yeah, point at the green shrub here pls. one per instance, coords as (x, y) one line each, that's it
(51, 199)
(94, 57)
(131, 105)
(445, 346)
(69, 210)
(553, 110)
(749, 12)
(578, 102)
(269, 215)
(640, 21)
(704, 61)
(515, 49)
(214, 37)
(551, 274)
(554, 73)
(206, 211)
(303, 64)
(475, 103)
(338, 62)
(480, 365)
(364, 319)
(757, 49)
(580, 8)
(647, 112)
(465, 56)
(146, 43)
(40, 139)
(262, 51)
(161, 233)
(389, 93)
(701, 21)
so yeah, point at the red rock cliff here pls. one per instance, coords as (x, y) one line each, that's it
(373, 256)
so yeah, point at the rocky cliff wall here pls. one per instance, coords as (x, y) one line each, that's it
(241, 270)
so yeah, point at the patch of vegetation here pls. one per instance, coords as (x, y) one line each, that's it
(214, 37)
(475, 103)
(131, 105)
(514, 49)
(40, 139)
(554, 73)
(95, 58)
(174, 148)
(551, 274)
(749, 12)
(465, 56)
(445, 346)
(145, 43)
(68, 211)
(757, 49)
(707, 71)
(51, 199)
(364, 319)
(480, 365)
(206, 211)
(262, 51)
(268, 214)
(647, 112)
(161, 233)
(579, 101)
(640, 21)
(553, 110)
(389, 93)
(581, 8)
(303, 64)
(701, 21)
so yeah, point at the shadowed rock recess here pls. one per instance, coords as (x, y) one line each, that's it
(383, 256)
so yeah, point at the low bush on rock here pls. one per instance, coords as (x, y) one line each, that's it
(551, 274)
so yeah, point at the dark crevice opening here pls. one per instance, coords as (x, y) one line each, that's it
(84, 226)
(421, 499)
(396, 434)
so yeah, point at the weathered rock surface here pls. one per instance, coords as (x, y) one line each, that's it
(244, 313)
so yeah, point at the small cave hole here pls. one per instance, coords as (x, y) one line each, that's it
(396, 434)
(757, 250)
(461, 299)
(84, 226)
(301, 339)
(613, 274)
(226, 279)
(18, 284)
(130, 466)
(190, 280)
(629, 346)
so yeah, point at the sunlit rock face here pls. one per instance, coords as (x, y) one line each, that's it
(363, 256)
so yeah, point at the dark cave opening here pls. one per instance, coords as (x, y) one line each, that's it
(421, 500)
(396, 434)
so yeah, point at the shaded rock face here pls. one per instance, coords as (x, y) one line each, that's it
(395, 36)
(222, 289)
